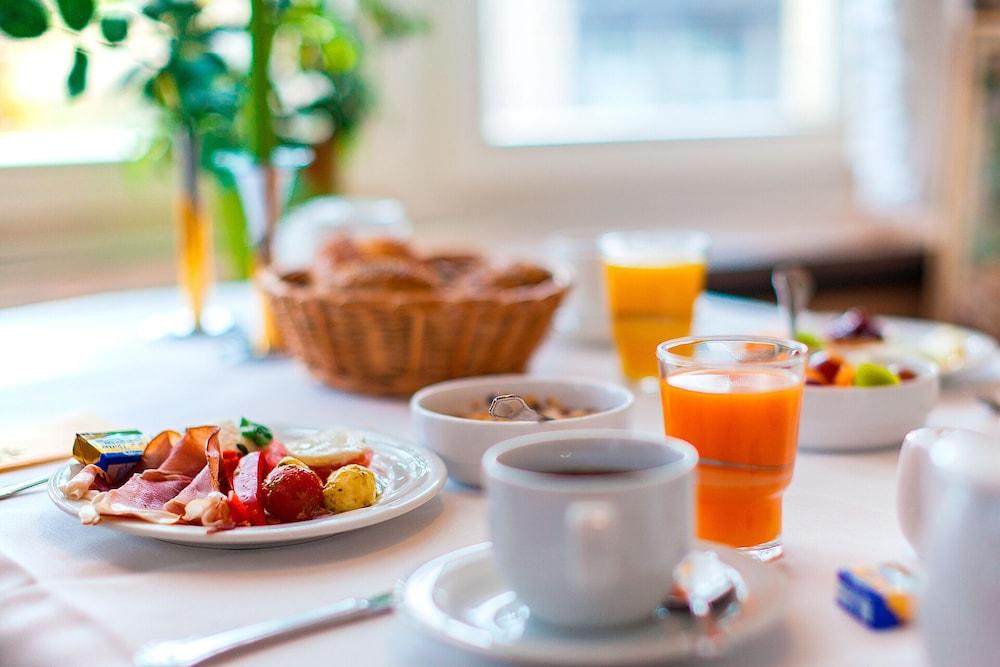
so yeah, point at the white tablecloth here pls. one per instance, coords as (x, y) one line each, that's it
(71, 594)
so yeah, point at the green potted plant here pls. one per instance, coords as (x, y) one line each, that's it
(218, 117)
(192, 87)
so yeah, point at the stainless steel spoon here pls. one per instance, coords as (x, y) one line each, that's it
(704, 583)
(794, 287)
(514, 408)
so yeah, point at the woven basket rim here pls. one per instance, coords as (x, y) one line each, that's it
(279, 285)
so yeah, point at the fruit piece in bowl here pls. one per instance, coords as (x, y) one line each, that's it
(448, 423)
(830, 369)
(874, 404)
(854, 327)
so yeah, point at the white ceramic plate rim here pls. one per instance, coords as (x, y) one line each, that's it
(428, 485)
(415, 601)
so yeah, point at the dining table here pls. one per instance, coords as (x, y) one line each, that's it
(72, 594)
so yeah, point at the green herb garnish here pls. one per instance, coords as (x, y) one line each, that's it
(255, 433)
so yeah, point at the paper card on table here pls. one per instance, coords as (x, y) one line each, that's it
(47, 442)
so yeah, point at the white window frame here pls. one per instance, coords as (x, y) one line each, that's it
(427, 149)
(806, 98)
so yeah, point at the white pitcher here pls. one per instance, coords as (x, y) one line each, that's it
(948, 501)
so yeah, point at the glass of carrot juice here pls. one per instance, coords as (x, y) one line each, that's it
(653, 279)
(737, 400)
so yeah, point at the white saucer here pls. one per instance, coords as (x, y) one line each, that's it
(460, 599)
(411, 476)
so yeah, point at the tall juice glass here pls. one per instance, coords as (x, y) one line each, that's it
(737, 400)
(653, 279)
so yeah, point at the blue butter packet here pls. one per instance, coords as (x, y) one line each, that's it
(112, 451)
(880, 596)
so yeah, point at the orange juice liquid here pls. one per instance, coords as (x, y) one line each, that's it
(269, 339)
(648, 305)
(194, 252)
(744, 424)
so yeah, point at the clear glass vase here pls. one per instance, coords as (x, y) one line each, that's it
(193, 253)
(264, 193)
(193, 231)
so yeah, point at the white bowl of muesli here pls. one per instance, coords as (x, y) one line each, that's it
(452, 418)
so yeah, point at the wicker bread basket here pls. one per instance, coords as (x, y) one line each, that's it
(394, 343)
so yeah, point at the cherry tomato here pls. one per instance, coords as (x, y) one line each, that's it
(292, 493)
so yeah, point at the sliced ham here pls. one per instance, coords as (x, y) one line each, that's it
(85, 484)
(201, 501)
(199, 487)
(211, 511)
(185, 484)
(143, 496)
(92, 480)
(158, 450)
(187, 456)
(213, 459)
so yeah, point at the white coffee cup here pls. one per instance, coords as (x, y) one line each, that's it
(590, 550)
(949, 509)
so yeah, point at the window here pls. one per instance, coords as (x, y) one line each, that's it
(584, 71)
(39, 126)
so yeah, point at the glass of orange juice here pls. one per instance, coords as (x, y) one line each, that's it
(737, 400)
(653, 279)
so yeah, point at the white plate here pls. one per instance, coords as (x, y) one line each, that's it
(460, 599)
(410, 476)
(909, 335)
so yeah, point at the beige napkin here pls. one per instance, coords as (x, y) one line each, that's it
(51, 441)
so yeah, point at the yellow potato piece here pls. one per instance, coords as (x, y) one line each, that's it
(349, 488)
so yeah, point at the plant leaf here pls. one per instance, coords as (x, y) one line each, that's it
(77, 80)
(114, 28)
(23, 19)
(76, 13)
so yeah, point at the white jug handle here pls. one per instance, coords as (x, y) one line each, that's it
(911, 481)
(594, 550)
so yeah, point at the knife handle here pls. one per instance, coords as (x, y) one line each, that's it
(196, 650)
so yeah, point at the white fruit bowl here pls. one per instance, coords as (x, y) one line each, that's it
(861, 418)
